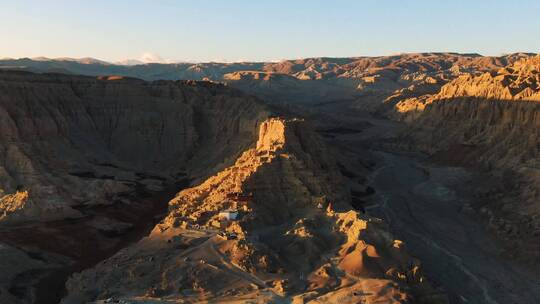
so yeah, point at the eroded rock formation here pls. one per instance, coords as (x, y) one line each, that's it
(294, 239)
(491, 120)
(360, 82)
(496, 113)
(71, 143)
(68, 141)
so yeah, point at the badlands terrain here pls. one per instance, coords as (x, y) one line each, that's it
(412, 178)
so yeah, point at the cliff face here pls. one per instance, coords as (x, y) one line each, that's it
(491, 120)
(294, 238)
(519, 81)
(497, 133)
(496, 113)
(67, 141)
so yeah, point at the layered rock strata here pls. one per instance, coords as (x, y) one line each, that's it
(67, 141)
(491, 121)
(295, 238)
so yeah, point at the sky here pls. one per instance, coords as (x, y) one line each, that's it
(259, 30)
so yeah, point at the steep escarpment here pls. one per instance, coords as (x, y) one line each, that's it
(292, 237)
(493, 133)
(87, 166)
(496, 113)
(68, 141)
(518, 81)
(491, 121)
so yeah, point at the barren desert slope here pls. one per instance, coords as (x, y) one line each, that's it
(79, 153)
(399, 179)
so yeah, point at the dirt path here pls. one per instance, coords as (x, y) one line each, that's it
(232, 267)
(457, 252)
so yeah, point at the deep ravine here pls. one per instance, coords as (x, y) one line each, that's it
(422, 207)
(85, 245)
(422, 202)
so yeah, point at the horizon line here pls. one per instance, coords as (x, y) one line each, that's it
(137, 61)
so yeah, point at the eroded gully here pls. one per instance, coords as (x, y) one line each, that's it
(421, 203)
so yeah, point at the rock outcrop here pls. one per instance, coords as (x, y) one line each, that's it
(295, 237)
(496, 113)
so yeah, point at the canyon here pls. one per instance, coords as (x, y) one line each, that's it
(411, 178)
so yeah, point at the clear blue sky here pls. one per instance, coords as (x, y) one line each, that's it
(204, 30)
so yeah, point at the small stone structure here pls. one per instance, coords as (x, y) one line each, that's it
(229, 214)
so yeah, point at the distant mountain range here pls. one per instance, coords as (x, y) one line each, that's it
(87, 151)
(309, 81)
(304, 69)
